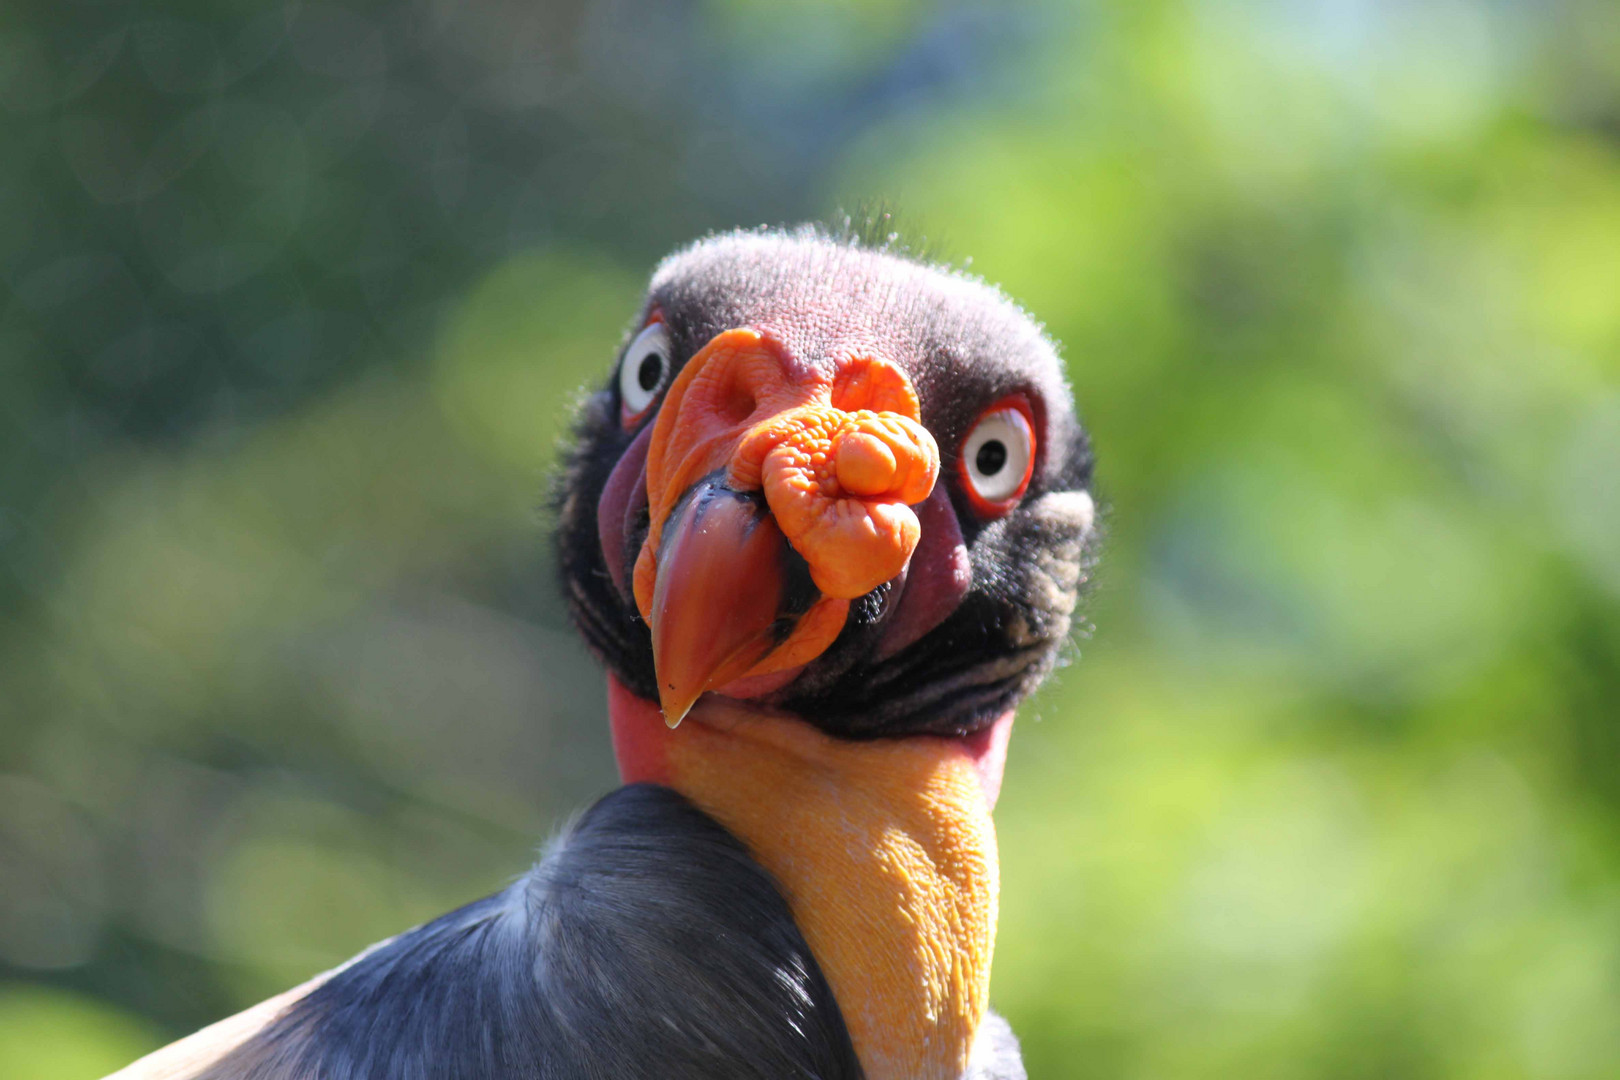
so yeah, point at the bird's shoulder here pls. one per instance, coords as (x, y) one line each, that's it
(647, 942)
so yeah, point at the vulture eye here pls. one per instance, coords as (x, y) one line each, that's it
(643, 370)
(998, 457)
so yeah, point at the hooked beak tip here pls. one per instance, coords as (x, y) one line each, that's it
(675, 711)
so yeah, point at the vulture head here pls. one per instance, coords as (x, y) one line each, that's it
(832, 482)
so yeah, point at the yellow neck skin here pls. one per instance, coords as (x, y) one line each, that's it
(886, 853)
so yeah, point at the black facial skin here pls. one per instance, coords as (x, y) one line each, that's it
(965, 347)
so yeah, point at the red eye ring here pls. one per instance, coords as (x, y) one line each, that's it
(997, 458)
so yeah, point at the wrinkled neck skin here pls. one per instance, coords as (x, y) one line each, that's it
(885, 851)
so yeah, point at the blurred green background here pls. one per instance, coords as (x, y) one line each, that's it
(294, 300)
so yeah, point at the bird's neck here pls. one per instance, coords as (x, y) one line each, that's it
(885, 851)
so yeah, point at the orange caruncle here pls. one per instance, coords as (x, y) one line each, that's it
(838, 484)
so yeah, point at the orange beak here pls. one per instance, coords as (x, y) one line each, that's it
(776, 495)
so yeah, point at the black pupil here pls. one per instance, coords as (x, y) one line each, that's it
(650, 371)
(991, 457)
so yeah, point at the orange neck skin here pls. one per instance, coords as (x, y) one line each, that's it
(884, 850)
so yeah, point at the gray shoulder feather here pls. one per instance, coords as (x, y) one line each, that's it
(648, 943)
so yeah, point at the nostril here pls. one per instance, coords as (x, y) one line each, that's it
(739, 405)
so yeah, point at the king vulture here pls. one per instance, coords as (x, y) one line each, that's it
(824, 525)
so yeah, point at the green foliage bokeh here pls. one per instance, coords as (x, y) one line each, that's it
(295, 300)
